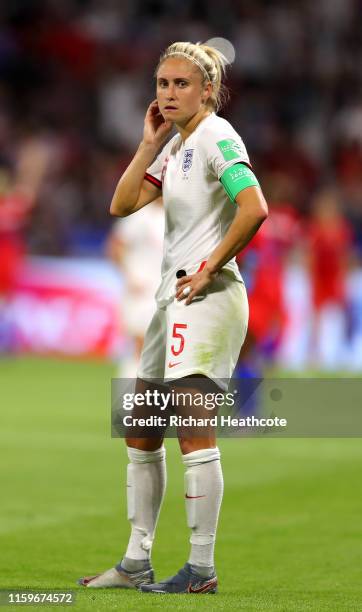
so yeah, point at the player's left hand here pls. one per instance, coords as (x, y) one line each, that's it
(188, 287)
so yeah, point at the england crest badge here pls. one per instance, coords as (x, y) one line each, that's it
(187, 160)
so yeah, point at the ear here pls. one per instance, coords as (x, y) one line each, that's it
(207, 91)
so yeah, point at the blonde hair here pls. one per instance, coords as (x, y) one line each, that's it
(211, 63)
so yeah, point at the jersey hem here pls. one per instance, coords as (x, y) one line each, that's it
(148, 378)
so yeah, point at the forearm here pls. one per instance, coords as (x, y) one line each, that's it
(129, 186)
(245, 225)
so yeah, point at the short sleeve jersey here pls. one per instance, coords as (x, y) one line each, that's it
(198, 212)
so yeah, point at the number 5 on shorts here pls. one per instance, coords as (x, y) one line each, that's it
(178, 336)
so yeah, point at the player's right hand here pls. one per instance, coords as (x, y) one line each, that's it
(156, 129)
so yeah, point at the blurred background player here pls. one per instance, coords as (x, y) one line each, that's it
(263, 265)
(330, 237)
(135, 245)
(20, 182)
(14, 209)
(354, 301)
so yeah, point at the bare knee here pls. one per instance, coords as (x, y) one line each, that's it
(189, 445)
(146, 444)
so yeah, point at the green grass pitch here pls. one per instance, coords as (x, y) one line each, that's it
(290, 530)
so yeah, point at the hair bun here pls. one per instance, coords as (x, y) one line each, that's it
(224, 46)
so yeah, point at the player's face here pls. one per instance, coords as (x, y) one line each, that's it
(180, 91)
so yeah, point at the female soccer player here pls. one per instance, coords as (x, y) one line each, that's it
(213, 207)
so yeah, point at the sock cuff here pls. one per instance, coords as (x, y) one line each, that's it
(136, 455)
(204, 455)
(202, 539)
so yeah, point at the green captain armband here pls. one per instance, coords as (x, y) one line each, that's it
(236, 178)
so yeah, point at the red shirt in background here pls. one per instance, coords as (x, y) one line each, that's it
(14, 209)
(268, 249)
(330, 242)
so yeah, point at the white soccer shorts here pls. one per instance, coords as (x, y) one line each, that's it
(203, 338)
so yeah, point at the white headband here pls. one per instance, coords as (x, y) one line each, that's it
(192, 59)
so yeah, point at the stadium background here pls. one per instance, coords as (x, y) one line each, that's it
(75, 79)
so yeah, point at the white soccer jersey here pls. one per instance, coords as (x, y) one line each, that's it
(198, 211)
(142, 235)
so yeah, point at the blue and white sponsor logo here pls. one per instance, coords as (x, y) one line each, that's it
(187, 160)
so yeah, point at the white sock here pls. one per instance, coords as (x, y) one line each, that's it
(146, 483)
(203, 491)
